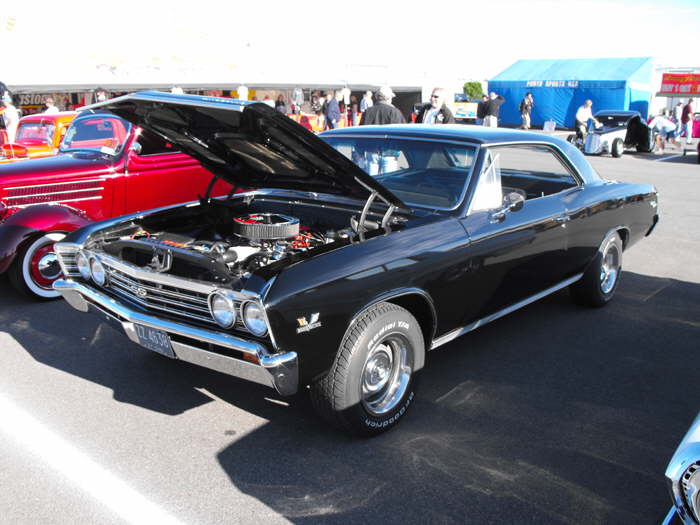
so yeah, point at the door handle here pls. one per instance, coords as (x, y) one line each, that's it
(563, 219)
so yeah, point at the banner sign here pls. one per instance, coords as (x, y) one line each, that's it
(553, 83)
(680, 84)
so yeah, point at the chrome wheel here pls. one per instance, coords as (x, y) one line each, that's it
(610, 267)
(386, 374)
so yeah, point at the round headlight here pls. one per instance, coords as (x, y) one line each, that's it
(222, 309)
(83, 266)
(97, 271)
(254, 319)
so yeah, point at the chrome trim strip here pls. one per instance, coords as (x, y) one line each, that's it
(54, 184)
(52, 193)
(57, 202)
(454, 334)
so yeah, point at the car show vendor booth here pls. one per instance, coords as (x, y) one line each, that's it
(559, 87)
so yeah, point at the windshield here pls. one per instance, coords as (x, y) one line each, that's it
(425, 174)
(35, 132)
(100, 133)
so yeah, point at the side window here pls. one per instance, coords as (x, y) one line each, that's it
(532, 171)
(152, 144)
(489, 191)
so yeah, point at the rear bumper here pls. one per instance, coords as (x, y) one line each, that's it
(199, 346)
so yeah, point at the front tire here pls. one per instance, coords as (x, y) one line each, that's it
(36, 267)
(618, 148)
(597, 286)
(373, 380)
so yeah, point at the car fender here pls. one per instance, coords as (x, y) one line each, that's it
(23, 225)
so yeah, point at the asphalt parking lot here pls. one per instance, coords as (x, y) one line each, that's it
(554, 414)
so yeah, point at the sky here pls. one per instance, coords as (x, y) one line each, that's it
(445, 39)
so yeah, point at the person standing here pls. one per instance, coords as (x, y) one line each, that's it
(50, 106)
(493, 106)
(583, 115)
(526, 105)
(11, 118)
(331, 110)
(677, 114)
(436, 112)
(481, 110)
(297, 99)
(382, 112)
(280, 105)
(687, 121)
(366, 102)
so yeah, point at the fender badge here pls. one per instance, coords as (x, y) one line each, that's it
(307, 326)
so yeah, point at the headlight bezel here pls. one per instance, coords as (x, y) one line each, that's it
(261, 319)
(84, 269)
(229, 299)
(102, 270)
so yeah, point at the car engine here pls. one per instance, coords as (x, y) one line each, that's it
(238, 248)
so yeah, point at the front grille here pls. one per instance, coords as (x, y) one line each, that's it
(156, 297)
(687, 489)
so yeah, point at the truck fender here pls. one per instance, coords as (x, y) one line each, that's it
(25, 224)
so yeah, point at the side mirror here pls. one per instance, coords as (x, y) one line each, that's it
(136, 148)
(514, 201)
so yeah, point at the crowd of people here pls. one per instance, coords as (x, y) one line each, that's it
(377, 108)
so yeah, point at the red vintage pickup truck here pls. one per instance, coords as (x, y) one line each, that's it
(105, 167)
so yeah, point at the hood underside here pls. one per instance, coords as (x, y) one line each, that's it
(248, 144)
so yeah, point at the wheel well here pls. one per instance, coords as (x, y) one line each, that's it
(624, 235)
(422, 310)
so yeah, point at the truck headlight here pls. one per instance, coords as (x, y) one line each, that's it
(222, 309)
(97, 271)
(83, 266)
(254, 318)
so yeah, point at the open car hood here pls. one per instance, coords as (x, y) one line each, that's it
(248, 144)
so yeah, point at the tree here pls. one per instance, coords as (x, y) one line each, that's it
(473, 89)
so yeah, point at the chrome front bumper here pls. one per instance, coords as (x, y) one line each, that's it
(191, 344)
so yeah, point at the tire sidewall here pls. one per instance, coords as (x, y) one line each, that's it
(612, 239)
(618, 148)
(24, 266)
(389, 323)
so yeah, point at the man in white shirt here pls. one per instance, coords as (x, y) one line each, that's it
(50, 106)
(583, 115)
(664, 129)
(11, 118)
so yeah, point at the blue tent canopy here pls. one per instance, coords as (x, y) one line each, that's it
(559, 87)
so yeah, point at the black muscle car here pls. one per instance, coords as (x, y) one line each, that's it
(353, 254)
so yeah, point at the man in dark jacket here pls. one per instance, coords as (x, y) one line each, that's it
(493, 106)
(331, 110)
(481, 109)
(382, 112)
(436, 112)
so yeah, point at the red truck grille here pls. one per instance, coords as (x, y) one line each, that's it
(57, 192)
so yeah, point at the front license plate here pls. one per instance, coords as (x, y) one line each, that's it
(155, 340)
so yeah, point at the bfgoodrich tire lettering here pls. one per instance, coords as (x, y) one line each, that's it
(599, 282)
(373, 380)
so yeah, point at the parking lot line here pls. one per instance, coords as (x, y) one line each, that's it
(668, 158)
(92, 478)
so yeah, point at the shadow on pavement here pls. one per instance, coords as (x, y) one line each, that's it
(554, 414)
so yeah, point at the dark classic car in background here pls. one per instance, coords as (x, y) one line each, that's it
(358, 252)
(105, 167)
(683, 478)
(619, 130)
